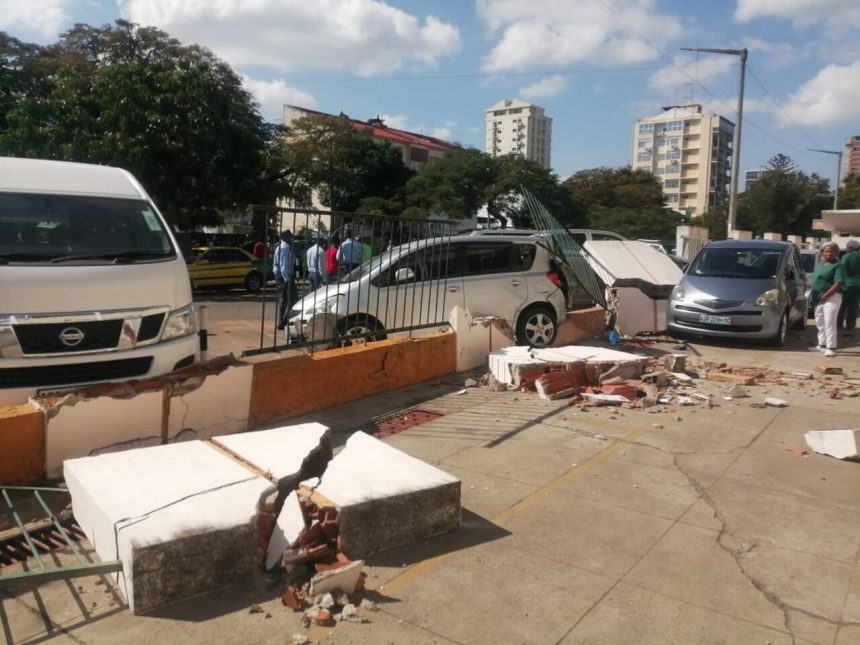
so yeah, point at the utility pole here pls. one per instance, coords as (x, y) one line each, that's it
(736, 142)
(838, 154)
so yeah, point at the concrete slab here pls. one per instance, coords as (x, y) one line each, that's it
(387, 498)
(180, 517)
(842, 444)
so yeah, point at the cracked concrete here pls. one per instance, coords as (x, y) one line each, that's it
(590, 526)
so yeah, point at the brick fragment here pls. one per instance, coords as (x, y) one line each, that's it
(828, 369)
(290, 598)
(728, 377)
(621, 389)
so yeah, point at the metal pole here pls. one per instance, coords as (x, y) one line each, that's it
(838, 155)
(736, 151)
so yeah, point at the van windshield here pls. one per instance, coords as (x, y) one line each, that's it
(736, 263)
(71, 228)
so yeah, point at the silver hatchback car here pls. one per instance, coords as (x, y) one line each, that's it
(741, 289)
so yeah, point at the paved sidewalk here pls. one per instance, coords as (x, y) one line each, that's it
(605, 525)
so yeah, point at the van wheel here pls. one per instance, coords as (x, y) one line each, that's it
(254, 281)
(537, 326)
(361, 325)
(779, 339)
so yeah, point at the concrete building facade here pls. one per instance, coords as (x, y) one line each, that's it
(514, 126)
(851, 156)
(690, 153)
(751, 177)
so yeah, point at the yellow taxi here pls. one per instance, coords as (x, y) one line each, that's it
(224, 266)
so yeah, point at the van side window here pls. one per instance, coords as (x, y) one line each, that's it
(488, 258)
(524, 256)
(440, 263)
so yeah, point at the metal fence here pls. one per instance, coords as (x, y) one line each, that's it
(340, 276)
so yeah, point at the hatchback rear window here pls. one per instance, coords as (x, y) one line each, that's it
(488, 258)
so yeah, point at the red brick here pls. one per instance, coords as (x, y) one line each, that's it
(291, 599)
(621, 389)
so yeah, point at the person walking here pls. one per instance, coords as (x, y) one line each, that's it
(331, 263)
(827, 282)
(316, 264)
(350, 253)
(851, 290)
(282, 267)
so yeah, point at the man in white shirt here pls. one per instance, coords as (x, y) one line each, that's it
(316, 264)
(282, 267)
(349, 254)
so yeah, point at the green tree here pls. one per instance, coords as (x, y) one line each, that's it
(174, 115)
(783, 200)
(455, 186)
(344, 165)
(623, 200)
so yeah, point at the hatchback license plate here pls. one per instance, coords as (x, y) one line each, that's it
(715, 320)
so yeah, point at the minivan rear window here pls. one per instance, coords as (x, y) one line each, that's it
(76, 228)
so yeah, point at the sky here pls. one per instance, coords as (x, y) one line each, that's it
(596, 66)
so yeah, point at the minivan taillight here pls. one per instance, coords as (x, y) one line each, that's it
(553, 277)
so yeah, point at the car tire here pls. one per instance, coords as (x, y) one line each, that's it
(359, 325)
(254, 281)
(779, 339)
(537, 326)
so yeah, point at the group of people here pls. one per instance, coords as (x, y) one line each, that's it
(836, 294)
(327, 261)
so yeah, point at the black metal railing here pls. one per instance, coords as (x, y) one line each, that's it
(351, 276)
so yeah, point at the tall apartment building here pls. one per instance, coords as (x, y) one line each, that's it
(752, 176)
(690, 153)
(519, 127)
(851, 155)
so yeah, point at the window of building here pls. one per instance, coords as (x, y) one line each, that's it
(671, 183)
(671, 197)
(673, 169)
(643, 156)
(645, 128)
(673, 154)
(673, 141)
(674, 126)
(419, 154)
(644, 143)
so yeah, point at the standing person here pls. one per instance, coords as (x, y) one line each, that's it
(282, 267)
(827, 282)
(851, 290)
(350, 253)
(259, 251)
(331, 263)
(316, 264)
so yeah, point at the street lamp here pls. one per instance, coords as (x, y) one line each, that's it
(838, 154)
(736, 142)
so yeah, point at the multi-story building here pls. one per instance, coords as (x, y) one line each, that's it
(690, 153)
(851, 165)
(417, 150)
(514, 126)
(751, 177)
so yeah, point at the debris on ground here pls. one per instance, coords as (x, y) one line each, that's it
(842, 444)
(774, 402)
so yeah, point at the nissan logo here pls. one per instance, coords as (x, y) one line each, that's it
(71, 336)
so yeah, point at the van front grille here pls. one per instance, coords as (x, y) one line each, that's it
(48, 338)
(101, 371)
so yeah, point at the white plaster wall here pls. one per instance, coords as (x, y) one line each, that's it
(219, 406)
(475, 341)
(82, 427)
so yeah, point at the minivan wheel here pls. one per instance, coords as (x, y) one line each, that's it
(356, 325)
(779, 339)
(254, 281)
(537, 326)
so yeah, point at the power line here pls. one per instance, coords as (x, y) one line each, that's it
(783, 110)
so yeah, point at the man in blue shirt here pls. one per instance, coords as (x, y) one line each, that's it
(350, 253)
(282, 267)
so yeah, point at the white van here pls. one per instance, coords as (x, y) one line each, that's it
(92, 285)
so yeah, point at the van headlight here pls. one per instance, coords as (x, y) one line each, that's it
(181, 322)
(324, 306)
(678, 293)
(769, 297)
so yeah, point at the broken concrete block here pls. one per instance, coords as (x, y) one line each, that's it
(477, 337)
(287, 529)
(181, 518)
(828, 369)
(556, 385)
(344, 578)
(775, 402)
(212, 404)
(728, 377)
(681, 377)
(737, 392)
(605, 399)
(675, 362)
(525, 374)
(842, 444)
(385, 497)
(660, 379)
(501, 362)
(622, 389)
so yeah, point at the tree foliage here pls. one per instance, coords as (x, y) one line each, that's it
(344, 165)
(174, 115)
(623, 200)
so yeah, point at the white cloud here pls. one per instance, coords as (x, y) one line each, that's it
(361, 36)
(272, 95)
(45, 17)
(560, 32)
(839, 14)
(687, 69)
(830, 98)
(544, 88)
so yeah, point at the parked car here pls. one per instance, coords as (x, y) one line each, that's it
(225, 266)
(513, 277)
(92, 284)
(741, 289)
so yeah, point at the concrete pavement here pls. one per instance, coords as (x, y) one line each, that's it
(601, 525)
